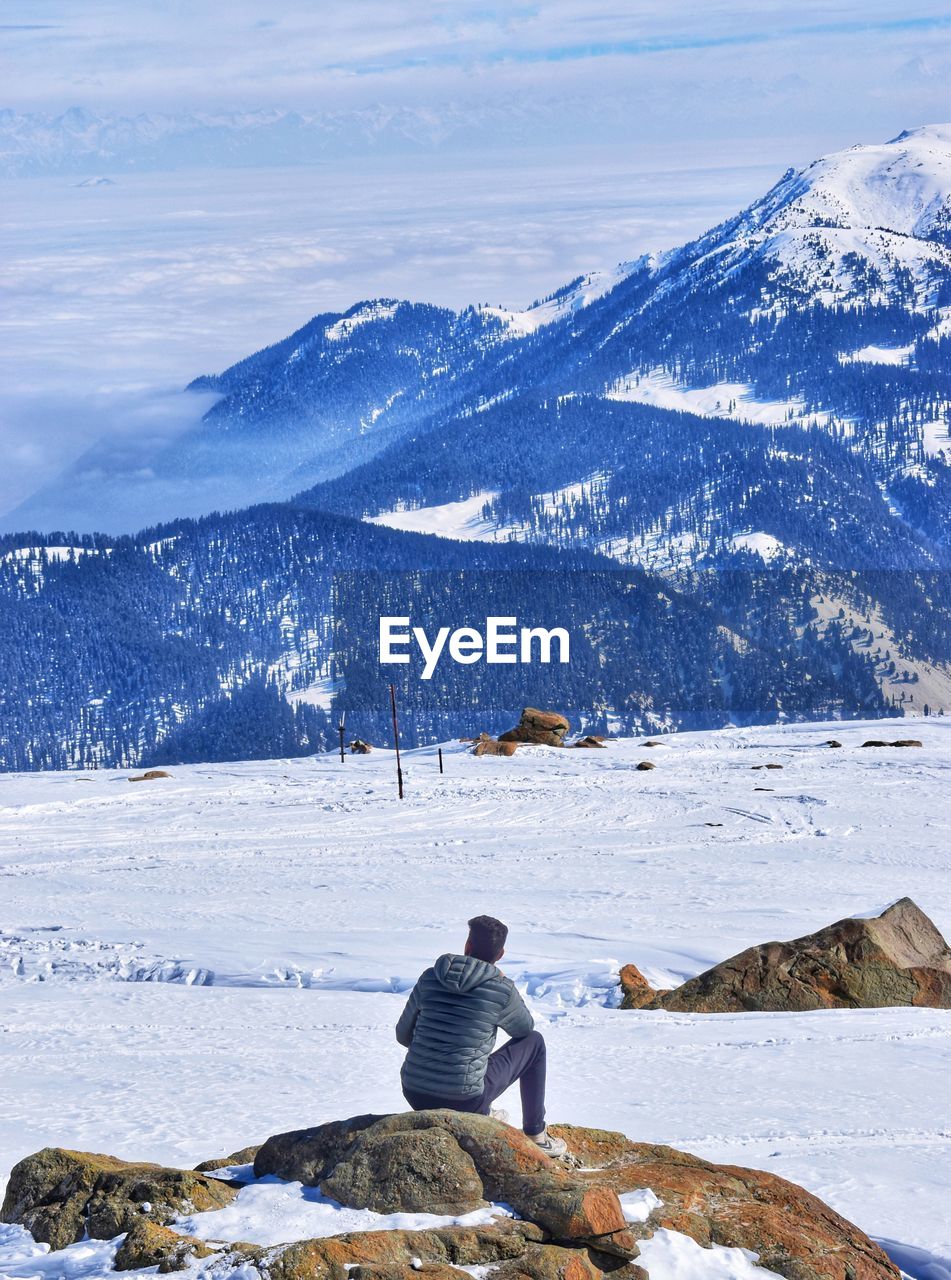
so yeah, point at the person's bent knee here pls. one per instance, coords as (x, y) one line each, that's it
(534, 1040)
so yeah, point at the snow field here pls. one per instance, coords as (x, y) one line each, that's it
(306, 900)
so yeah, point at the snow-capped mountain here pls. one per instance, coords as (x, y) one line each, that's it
(826, 304)
(752, 421)
(901, 186)
(818, 321)
(860, 226)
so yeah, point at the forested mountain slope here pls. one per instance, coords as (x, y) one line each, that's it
(235, 636)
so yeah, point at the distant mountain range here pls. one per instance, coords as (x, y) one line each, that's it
(83, 142)
(750, 421)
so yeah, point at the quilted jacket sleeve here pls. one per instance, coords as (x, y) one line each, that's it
(515, 1019)
(407, 1020)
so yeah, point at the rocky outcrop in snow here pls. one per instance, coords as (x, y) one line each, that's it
(896, 958)
(577, 1220)
(543, 728)
(487, 746)
(61, 1196)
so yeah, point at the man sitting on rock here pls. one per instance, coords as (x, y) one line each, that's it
(449, 1027)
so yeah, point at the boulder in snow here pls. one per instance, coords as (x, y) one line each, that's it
(486, 746)
(61, 1195)
(541, 728)
(572, 1224)
(896, 958)
(447, 1158)
(149, 1245)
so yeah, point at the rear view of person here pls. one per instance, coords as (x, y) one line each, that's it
(449, 1028)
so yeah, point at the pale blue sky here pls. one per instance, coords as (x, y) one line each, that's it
(728, 70)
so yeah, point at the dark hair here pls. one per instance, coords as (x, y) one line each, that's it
(487, 938)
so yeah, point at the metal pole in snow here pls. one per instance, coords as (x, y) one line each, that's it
(440, 759)
(396, 740)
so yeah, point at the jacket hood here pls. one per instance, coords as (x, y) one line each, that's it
(463, 973)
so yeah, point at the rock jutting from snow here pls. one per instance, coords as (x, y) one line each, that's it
(644, 765)
(541, 728)
(149, 1245)
(898, 742)
(244, 1156)
(897, 958)
(793, 1232)
(150, 775)
(60, 1196)
(486, 746)
(636, 990)
(402, 1162)
(571, 1225)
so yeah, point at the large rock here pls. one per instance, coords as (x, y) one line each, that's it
(415, 1172)
(308, 1155)
(61, 1195)
(395, 1252)
(897, 958)
(455, 1158)
(543, 728)
(486, 746)
(571, 1226)
(794, 1233)
(149, 1245)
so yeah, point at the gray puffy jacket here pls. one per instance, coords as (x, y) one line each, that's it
(449, 1025)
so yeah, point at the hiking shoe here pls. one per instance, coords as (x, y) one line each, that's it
(547, 1142)
(500, 1114)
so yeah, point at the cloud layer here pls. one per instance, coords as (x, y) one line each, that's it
(112, 295)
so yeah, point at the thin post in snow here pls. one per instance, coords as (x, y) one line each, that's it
(396, 740)
(440, 759)
(340, 726)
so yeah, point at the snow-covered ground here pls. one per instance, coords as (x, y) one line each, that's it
(461, 520)
(734, 400)
(582, 292)
(192, 964)
(878, 355)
